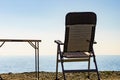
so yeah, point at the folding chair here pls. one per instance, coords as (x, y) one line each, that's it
(78, 43)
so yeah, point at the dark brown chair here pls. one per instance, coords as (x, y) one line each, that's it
(79, 40)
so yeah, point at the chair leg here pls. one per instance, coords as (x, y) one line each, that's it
(96, 67)
(57, 68)
(63, 71)
(89, 68)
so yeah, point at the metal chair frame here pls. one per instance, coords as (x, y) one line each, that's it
(60, 54)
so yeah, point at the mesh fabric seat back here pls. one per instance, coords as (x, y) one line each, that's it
(80, 30)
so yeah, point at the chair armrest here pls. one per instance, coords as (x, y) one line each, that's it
(93, 42)
(59, 42)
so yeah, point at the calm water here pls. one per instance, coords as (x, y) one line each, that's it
(48, 63)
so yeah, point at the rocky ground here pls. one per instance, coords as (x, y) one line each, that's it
(104, 75)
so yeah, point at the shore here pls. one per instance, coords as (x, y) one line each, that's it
(104, 75)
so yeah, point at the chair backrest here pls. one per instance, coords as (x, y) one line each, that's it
(79, 31)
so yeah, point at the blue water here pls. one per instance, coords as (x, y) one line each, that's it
(18, 64)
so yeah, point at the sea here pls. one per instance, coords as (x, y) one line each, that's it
(47, 63)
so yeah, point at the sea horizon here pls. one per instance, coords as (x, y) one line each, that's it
(47, 63)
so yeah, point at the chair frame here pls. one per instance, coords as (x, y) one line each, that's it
(60, 57)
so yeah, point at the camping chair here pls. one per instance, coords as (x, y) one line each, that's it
(79, 40)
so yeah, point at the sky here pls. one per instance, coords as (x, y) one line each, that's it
(45, 20)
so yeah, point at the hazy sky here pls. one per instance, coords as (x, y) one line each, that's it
(45, 19)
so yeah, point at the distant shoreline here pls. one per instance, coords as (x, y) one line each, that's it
(104, 75)
(48, 63)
